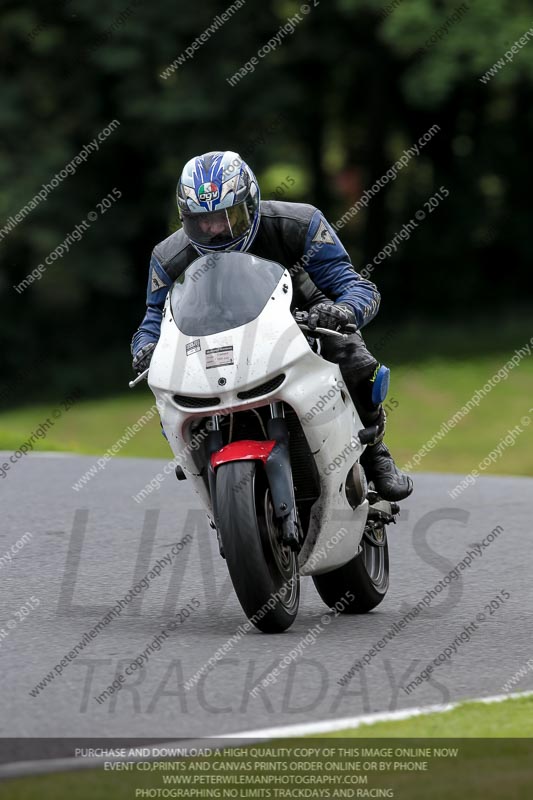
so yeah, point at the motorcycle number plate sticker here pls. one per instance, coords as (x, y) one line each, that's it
(193, 347)
(219, 357)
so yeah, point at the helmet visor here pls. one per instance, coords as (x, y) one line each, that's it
(215, 228)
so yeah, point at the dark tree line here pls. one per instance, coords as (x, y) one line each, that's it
(320, 118)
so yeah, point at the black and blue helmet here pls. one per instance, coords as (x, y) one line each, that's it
(218, 201)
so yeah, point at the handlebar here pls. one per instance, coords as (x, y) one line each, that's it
(300, 318)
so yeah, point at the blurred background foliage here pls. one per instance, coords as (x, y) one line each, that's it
(332, 108)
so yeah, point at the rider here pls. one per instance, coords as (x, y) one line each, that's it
(221, 210)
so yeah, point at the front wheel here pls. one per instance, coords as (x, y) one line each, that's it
(264, 572)
(366, 576)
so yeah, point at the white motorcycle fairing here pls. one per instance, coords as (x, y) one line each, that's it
(195, 376)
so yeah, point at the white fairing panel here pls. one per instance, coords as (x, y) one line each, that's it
(222, 364)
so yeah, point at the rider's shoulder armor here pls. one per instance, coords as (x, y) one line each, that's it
(175, 253)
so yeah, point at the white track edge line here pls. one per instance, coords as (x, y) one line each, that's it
(41, 766)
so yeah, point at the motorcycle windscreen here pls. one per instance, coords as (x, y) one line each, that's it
(222, 291)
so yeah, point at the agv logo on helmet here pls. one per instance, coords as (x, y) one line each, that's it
(208, 192)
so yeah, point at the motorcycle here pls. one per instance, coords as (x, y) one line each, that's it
(265, 432)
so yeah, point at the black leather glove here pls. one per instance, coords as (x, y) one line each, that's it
(334, 316)
(142, 358)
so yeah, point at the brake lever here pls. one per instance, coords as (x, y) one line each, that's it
(326, 331)
(143, 376)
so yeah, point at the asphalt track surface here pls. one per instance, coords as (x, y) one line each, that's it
(89, 548)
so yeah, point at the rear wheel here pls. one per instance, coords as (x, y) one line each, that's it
(264, 572)
(366, 576)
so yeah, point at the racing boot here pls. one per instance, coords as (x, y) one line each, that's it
(378, 464)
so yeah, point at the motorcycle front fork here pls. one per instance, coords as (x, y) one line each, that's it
(279, 473)
(278, 470)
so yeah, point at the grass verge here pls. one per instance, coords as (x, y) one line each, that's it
(494, 760)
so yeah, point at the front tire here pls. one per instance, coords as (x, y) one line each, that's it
(366, 576)
(262, 570)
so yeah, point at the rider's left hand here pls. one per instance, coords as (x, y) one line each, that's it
(334, 316)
